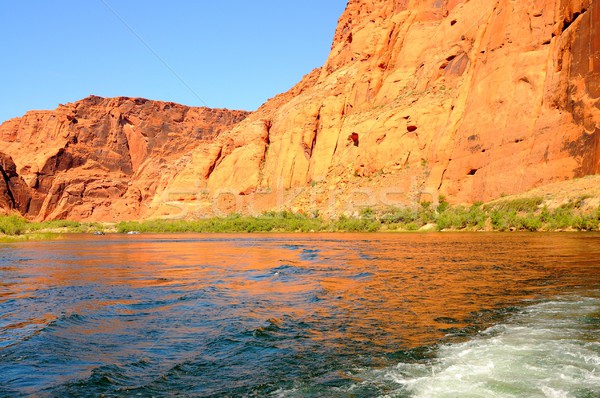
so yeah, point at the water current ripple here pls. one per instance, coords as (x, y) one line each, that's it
(334, 315)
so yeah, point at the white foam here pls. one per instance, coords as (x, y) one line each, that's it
(551, 350)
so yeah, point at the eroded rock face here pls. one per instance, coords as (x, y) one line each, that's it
(470, 99)
(14, 193)
(100, 159)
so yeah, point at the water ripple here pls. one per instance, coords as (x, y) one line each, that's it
(300, 315)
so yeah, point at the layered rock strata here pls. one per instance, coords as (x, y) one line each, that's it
(100, 159)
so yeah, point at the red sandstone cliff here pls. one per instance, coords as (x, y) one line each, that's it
(99, 159)
(467, 98)
(470, 99)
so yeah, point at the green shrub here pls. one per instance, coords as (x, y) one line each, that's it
(453, 217)
(476, 216)
(12, 224)
(411, 226)
(442, 204)
(591, 222)
(356, 225)
(367, 212)
(562, 218)
(545, 215)
(578, 222)
(530, 222)
(399, 215)
(427, 213)
(519, 205)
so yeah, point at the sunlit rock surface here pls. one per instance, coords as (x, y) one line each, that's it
(469, 99)
(100, 159)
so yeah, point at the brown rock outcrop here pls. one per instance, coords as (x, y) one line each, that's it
(101, 159)
(14, 193)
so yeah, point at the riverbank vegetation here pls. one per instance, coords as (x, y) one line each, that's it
(526, 214)
(13, 227)
(522, 214)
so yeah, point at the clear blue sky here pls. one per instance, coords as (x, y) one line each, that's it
(228, 53)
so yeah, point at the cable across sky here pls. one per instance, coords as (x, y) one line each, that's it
(231, 54)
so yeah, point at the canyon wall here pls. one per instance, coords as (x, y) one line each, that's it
(470, 99)
(99, 159)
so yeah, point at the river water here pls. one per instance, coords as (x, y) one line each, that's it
(302, 315)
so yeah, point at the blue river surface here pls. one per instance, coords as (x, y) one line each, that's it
(302, 315)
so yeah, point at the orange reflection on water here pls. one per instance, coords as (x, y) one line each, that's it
(389, 290)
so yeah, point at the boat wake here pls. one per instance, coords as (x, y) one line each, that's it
(548, 350)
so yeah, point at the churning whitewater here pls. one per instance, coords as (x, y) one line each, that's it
(549, 350)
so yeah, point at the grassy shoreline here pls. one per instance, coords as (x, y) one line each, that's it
(509, 215)
(522, 214)
(15, 228)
